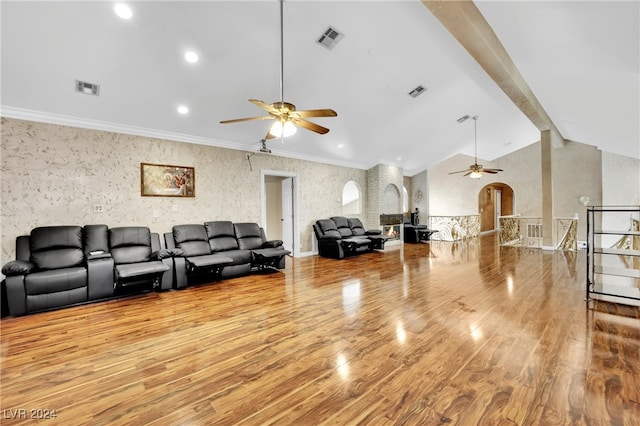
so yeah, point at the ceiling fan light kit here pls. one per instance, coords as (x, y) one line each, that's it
(475, 171)
(283, 128)
(285, 113)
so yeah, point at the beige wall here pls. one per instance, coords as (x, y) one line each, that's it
(620, 187)
(576, 170)
(53, 175)
(456, 195)
(419, 195)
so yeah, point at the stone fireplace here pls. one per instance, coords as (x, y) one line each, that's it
(391, 225)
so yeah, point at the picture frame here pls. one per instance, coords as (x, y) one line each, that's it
(165, 180)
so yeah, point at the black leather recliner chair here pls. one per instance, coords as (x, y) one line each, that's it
(265, 254)
(416, 233)
(53, 270)
(137, 258)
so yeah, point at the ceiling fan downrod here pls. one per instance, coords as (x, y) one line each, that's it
(281, 51)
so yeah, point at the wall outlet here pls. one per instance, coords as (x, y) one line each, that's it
(98, 208)
(174, 208)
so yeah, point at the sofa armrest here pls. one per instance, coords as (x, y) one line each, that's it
(18, 267)
(272, 244)
(167, 253)
(95, 255)
(100, 276)
(373, 232)
(16, 295)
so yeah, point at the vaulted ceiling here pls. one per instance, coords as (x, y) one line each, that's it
(579, 60)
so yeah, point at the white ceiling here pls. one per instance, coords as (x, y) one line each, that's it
(581, 59)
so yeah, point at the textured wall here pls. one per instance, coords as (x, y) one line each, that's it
(451, 195)
(620, 187)
(419, 195)
(53, 175)
(577, 170)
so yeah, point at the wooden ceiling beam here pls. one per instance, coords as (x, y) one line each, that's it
(465, 22)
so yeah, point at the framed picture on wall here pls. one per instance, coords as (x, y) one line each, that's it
(163, 180)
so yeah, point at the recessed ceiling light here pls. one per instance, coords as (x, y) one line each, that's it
(191, 57)
(183, 109)
(123, 11)
(340, 146)
(399, 158)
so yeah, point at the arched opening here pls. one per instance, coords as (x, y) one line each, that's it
(495, 200)
(351, 204)
(391, 200)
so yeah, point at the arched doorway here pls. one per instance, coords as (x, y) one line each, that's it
(494, 200)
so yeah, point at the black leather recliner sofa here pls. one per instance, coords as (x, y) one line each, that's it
(59, 266)
(415, 233)
(340, 237)
(220, 249)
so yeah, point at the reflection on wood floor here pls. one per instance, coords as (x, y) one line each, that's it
(458, 333)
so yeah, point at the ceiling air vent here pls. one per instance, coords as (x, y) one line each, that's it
(417, 91)
(330, 38)
(87, 88)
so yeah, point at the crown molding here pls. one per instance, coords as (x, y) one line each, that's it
(84, 123)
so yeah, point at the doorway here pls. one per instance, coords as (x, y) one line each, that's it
(279, 208)
(495, 200)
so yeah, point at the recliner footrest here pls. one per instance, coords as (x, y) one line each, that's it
(137, 273)
(268, 257)
(351, 245)
(198, 262)
(208, 261)
(377, 241)
(134, 270)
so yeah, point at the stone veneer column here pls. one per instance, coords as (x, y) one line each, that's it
(378, 178)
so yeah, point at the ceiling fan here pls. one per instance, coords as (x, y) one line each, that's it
(476, 170)
(285, 113)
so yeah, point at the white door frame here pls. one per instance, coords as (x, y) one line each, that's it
(263, 204)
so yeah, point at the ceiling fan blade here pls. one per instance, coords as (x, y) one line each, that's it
(309, 125)
(270, 109)
(237, 120)
(461, 171)
(492, 171)
(468, 173)
(326, 112)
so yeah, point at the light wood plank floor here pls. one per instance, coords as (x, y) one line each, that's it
(442, 333)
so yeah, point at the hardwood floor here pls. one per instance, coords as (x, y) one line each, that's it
(442, 333)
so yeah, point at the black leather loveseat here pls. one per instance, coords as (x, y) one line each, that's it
(340, 237)
(221, 249)
(58, 266)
